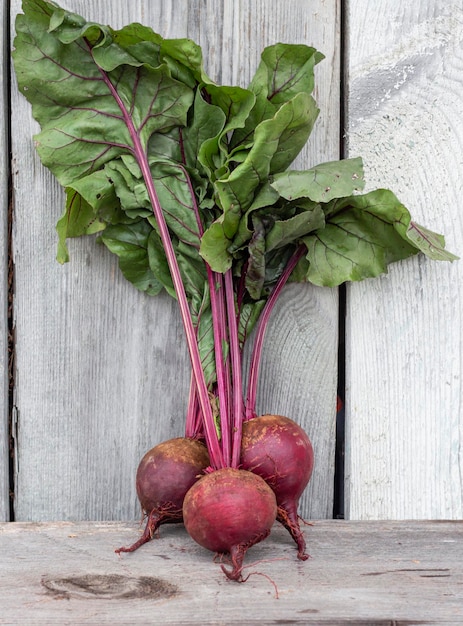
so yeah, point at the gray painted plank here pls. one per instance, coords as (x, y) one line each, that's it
(4, 199)
(358, 573)
(405, 396)
(102, 374)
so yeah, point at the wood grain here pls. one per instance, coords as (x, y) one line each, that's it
(373, 573)
(4, 199)
(404, 368)
(102, 372)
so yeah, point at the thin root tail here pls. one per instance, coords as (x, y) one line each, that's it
(290, 520)
(155, 519)
(237, 554)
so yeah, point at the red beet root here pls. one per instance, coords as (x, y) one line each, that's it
(164, 476)
(228, 511)
(278, 450)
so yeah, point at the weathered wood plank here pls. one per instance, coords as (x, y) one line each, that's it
(4, 199)
(404, 368)
(360, 572)
(102, 374)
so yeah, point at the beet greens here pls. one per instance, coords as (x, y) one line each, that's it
(187, 182)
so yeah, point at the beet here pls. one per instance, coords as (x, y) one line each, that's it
(228, 511)
(164, 476)
(279, 450)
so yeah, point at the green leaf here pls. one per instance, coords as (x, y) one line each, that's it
(275, 263)
(83, 124)
(188, 55)
(79, 218)
(366, 233)
(205, 334)
(157, 262)
(67, 27)
(301, 114)
(276, 141)
(249, 316)
(171, 183)
(285, 70)
(130, 243)
(255, 274)
(214, 247)
(430, 243)
(140, 42)
(300, 272)
(173, 191)
(207, 123)
(166, 146)
(91, 203)
(129, 187)
(322, 183)
(284, 232)
(264, 198)
(236, 104)
(194, 277)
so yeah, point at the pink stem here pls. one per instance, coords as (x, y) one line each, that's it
(215, 451)
(216, 291)
(218, 315)
(256, 355)
(192, 425)
(236, 369)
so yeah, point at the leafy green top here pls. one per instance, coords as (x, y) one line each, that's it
(116, 104)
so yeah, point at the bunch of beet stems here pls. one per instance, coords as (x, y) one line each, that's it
(223, 439)
(224, 449)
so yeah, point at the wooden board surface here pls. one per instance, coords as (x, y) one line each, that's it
(4, 198)
(102, 373)
(364, 573)
(404, 394)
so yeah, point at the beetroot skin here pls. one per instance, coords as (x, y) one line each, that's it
(228, 511)
(164, 476)
(279, 450)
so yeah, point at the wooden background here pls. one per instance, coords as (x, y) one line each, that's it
(101, 372)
